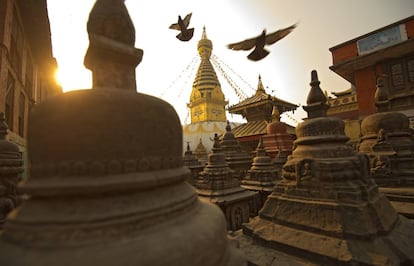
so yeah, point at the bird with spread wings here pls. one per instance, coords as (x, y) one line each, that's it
(259, 42)
(182, 25)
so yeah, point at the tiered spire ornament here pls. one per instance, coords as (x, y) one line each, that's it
(317, 104)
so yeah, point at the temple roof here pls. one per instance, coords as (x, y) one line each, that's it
(253, 128)
(261, 98)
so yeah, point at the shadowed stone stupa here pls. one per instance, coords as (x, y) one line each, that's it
(11, 168)
(327, 208)
(217, 185)
(389, 144)
(107, 184)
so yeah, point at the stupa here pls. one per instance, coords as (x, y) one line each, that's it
(217, 185)
(192, 163)
(107, 184)
(207, 101)
(238, 160)
(327, 208)
(388, 142)
(278, 143)
(200, 153)
(261, 177)
(11, 169)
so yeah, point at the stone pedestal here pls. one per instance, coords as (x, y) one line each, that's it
(107, 184)
(327, 208)
(238, 160)
(261, 177)
(217, 185)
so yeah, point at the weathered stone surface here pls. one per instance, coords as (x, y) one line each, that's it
(200, 153)
(278, 143)
(327, 208)
(191, 162)
(11, 169)
(217, 185)
(107, 183)
(238, 160)
(389, 144)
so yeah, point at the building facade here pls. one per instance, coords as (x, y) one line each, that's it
(384, 53)
(27, 66)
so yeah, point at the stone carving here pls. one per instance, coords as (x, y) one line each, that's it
(388, 142)
(108, 182)
(261, 178)
(217, 185)
(192, 163)
(328, 202)
(238, 160)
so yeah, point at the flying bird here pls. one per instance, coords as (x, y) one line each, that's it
(260, 41)
(182, 25)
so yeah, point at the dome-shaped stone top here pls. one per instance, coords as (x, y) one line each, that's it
(387, 121)
(93, 132)
(276, 126)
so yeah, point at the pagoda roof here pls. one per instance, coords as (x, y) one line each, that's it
(261, 98)
(253, 128)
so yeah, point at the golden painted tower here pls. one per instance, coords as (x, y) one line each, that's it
(207, 101)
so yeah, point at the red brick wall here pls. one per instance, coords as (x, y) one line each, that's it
(344, 53)
(409, 26)
(365, 83)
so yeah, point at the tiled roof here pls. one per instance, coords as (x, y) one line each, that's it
(253, 128)
(250, 129)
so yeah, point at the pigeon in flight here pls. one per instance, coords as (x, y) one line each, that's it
(182, 25)
(260, 41)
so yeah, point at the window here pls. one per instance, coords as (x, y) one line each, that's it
(8, 112)
(16, 44)
(22, 109)
(401, 74)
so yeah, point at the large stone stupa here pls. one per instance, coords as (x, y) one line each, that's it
(327, 208)
(107, 184)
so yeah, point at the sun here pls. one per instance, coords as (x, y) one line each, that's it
(73, 78)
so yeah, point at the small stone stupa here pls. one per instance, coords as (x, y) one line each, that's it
(388, 142)
(217, 185)
(193, 164)
(11, 169)
(277, 142)
(327, 208)
(238, 160)
(107, 183)
(261, 177)
(200, 153)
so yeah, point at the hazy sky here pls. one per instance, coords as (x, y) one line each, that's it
(166, 70)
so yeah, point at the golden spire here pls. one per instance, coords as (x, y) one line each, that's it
(207, 101)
